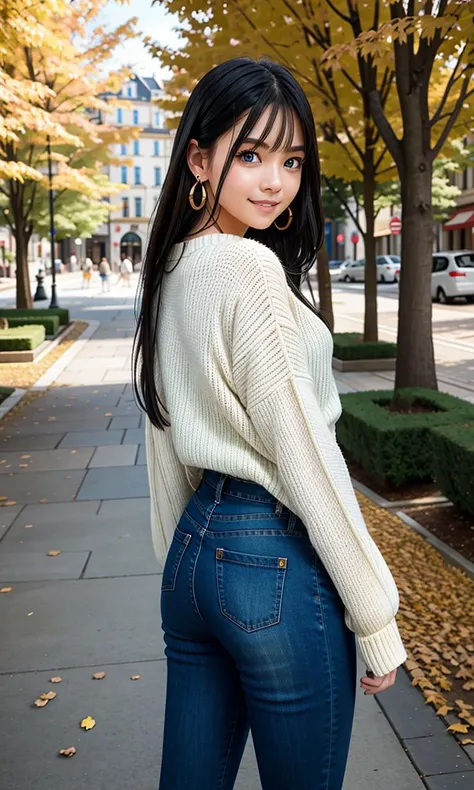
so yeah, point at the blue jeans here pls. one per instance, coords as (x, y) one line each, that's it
(255, 639)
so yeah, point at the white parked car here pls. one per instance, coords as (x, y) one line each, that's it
(353, 271)
(453, 276)
(388, 268)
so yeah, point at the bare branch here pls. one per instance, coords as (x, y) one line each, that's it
(391, 140)
(448, 88)
(344, 203)
(463, 94)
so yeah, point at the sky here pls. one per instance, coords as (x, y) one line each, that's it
(152, 19)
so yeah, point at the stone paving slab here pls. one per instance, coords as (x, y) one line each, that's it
(405, 708)
(134, 436)
(438, 754)
(115, 483)
(124, 374)
(46, 441)
(7, 517)
(38, 427)
(37, 566)
(82, 622)
(129, 421)
(141, 458)
(35, 486)
(451, 782)
(114, 455)
(45, 460)
(88, 438)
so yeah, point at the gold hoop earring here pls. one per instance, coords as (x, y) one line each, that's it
(290, 220)
(203, 195)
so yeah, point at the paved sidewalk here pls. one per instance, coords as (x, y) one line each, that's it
(73, 461)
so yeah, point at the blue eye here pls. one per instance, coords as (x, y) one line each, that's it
(243, 154)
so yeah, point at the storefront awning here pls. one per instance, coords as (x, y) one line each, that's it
(462, 218)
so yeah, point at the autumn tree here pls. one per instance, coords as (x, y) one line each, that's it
(422, 42)
(53, 88)
(297, 35)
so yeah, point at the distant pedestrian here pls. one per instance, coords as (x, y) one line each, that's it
(126, 270)
(104, 273)
(87, 268)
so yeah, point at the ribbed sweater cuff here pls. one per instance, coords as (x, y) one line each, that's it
(384, 650)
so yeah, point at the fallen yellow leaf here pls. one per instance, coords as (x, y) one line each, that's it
(459, 728)
(55, 680)
(6, 589)
(40, 703)
(443, 710)
(54, 553)
(88, 723)
(98, 676)
(49, 695)
(135, 677)
(461, 704)
(466, 741)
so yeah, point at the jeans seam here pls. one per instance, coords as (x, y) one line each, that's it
(234, 728)
(331, 706)
(203, 532)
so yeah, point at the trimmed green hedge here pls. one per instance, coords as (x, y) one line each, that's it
(24, 313)
(50, 322)
(21, 338)
(396, 448)
(349, 345)
(453, 461)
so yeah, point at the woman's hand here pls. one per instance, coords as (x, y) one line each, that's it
(373, 685)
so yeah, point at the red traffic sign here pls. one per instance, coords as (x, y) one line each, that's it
(355, 238)
(118, 228)
(340, 238)
(395, 225)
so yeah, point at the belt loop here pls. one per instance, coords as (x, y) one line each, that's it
(292, 521)
(219, 488)
(279, 508)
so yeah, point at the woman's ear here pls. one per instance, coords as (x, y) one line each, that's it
(196, 161)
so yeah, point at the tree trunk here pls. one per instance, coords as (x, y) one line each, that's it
(415, 353)
(324, 285)
(23, 290)
(371, 331)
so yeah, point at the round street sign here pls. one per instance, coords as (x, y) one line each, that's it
(395, 225)
(340, 238)
(355, 238)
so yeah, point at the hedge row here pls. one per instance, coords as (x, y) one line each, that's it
(453, 460)
(35, 313)
(350, 345)
(50, 322)
(22, 338)
(396, 447)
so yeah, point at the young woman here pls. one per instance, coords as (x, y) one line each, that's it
(269, 572)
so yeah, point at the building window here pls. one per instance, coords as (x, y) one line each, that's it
(157, 119)
(157, 176)
(138, 175)
(119, 115)
(123, 150)
(138, 206)
(156, 150)
(136, 147)
(124, 174)
(125, 210)
(135, 117)
(129, 90)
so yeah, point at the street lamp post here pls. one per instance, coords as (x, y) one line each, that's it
(54, 301)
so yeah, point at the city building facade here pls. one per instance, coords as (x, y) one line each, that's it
(141, 170)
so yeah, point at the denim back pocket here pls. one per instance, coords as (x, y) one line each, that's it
(250, 588)
(173, 559)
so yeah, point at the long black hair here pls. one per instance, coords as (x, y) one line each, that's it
(222, 97)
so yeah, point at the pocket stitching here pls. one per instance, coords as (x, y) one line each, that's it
(275, 619)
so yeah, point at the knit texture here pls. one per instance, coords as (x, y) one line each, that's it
(245, 371)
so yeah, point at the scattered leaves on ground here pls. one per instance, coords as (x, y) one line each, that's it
(88, 723)
(69, 752)
(45, 698)
(25, 374)
(436, 616)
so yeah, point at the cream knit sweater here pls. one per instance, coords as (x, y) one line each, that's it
(244, 369)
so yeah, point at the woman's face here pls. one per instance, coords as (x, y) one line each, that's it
(261, 183)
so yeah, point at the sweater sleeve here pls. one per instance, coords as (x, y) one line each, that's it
(171, 486)
(274, 384)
